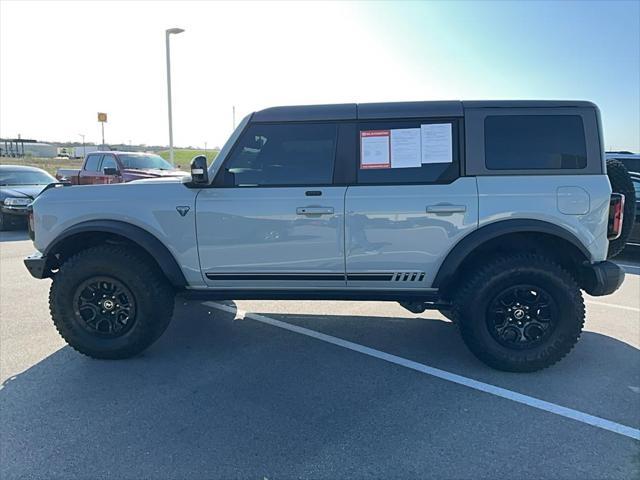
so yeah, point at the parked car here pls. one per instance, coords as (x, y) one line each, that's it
(629, 159)
(118, 167)
(19, 185)
(497, 213)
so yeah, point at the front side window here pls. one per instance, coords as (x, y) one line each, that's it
(109, 162)
(534, 142)
(93, 162)
(283, 154)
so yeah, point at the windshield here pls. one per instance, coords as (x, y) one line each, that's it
(145, 161)
(25, 177)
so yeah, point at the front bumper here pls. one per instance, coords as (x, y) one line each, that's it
(19, 211)
(602, 278)
(36, 263)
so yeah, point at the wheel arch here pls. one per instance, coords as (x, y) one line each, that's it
(532, 235)
(93, 232)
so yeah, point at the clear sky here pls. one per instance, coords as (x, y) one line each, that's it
(62, 62)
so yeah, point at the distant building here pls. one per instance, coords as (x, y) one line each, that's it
(22, 147)
(43, 150)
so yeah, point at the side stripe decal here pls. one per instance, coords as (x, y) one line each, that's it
(362, 277)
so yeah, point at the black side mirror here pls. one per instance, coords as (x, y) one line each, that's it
(110, 171)
(199, 172)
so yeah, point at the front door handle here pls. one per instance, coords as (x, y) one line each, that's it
(314, 210)
(446, 209)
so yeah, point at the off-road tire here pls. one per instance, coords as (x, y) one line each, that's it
(621, 183)
(152, 293)
(471, 310)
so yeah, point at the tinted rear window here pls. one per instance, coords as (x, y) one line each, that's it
(534, 142)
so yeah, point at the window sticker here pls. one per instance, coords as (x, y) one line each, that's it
(437, 146)
(405, 148)
(375, 149)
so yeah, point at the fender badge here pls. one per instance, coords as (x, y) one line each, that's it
(183, 210)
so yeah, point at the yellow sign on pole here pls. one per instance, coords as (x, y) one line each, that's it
(102, 117)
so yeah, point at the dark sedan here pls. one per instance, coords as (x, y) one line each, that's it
(19, 185)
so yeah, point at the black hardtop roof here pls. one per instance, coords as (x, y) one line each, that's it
(438, 108)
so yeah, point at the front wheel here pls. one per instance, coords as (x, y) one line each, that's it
(520, 313)
(110, 301)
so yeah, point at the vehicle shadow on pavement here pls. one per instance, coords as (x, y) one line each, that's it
(224, 397)
(13, 236)
(601, 375)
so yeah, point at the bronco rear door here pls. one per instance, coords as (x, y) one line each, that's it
(409, 205)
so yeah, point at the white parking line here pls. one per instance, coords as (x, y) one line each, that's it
(636, 268)
(442, 374)
(623, 307)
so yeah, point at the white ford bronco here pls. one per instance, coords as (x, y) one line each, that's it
(496, 213)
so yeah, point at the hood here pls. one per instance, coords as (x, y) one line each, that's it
(165, 179)
(29, 191)
(153, 173)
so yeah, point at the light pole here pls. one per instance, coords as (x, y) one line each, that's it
(84, 150)
(167, 33)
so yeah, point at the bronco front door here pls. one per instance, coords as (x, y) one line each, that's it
(274, 219)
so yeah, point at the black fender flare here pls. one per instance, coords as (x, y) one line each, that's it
(468, 244)
(141, 237)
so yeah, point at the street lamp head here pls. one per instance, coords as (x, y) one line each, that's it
(174, 30)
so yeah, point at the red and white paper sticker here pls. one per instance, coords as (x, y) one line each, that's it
(375, 149)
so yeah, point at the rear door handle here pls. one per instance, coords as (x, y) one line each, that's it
(446, 209)
(314, 210)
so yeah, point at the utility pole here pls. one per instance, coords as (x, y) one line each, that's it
(234, 117)
(167, 34)
(205, 149)
(84, 149)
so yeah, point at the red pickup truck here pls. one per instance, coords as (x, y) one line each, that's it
(118, 167)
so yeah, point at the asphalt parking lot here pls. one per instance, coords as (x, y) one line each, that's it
(312, 390)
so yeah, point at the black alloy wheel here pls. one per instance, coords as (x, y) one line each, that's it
(104, 306)
(522, 316)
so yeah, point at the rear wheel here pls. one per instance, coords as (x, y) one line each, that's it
(110, 302)
(520, 313)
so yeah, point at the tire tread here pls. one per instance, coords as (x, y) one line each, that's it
(515, 263)
(155, 283)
